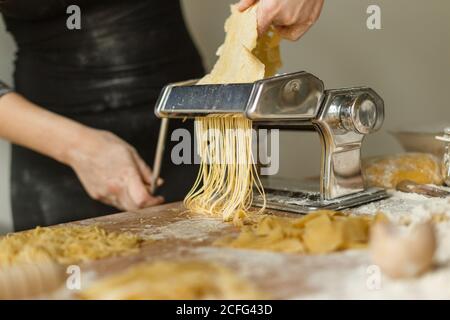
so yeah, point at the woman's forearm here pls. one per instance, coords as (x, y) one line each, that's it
(28, 125)
(109, 169)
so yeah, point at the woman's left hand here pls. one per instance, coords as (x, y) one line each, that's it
(292, 18)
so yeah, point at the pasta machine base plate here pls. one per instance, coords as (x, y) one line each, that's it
(306, 201)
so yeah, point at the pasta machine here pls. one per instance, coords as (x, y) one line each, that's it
(295, 101)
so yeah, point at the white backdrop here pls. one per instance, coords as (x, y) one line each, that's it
(407, 62)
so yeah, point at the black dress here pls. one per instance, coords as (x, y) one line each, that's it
(107, 75)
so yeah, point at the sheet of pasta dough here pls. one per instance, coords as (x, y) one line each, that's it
(243, 57)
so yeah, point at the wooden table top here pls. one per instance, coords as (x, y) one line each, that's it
(183, 235)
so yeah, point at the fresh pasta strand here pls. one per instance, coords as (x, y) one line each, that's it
(228, 173)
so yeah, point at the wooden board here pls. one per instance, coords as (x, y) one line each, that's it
(182, 235)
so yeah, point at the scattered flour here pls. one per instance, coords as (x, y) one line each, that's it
(355, 283)
(194, 229)
(400, 208)
(346, 275)
(411, 209)
(342, 275)
(247, 261)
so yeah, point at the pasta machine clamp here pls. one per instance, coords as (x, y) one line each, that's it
(296, 101)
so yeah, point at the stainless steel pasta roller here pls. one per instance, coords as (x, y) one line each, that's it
(295, 101)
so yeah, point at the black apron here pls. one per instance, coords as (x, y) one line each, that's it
(107, 75)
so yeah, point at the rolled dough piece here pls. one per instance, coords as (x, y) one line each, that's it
(388, 171)
(172, 280)
(65, 245)
(317, 233)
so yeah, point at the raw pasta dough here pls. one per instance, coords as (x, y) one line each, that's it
(317, 233)
(388, 171)
(243, 57)
(172, 280)
(227, 174)
(65, 245)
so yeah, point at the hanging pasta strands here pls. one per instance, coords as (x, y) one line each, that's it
(228, 174)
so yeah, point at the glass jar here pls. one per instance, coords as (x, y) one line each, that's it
(446, 158)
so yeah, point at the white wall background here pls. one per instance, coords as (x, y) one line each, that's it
(407, 62)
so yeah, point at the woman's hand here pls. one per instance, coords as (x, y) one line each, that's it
(112, 171)
(109, 168)
(292, 18)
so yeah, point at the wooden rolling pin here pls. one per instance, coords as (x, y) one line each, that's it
(30, 280)
(425, 190)
(159, 154)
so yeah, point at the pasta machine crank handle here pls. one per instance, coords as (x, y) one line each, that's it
(159, 154)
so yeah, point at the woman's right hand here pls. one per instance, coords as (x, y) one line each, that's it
(112, 171)
(292, 18)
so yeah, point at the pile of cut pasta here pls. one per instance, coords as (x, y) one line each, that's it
(65, 245)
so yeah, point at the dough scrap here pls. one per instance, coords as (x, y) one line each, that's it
(317, 233)
(65, 245)
(162, 280)
(388, 171)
